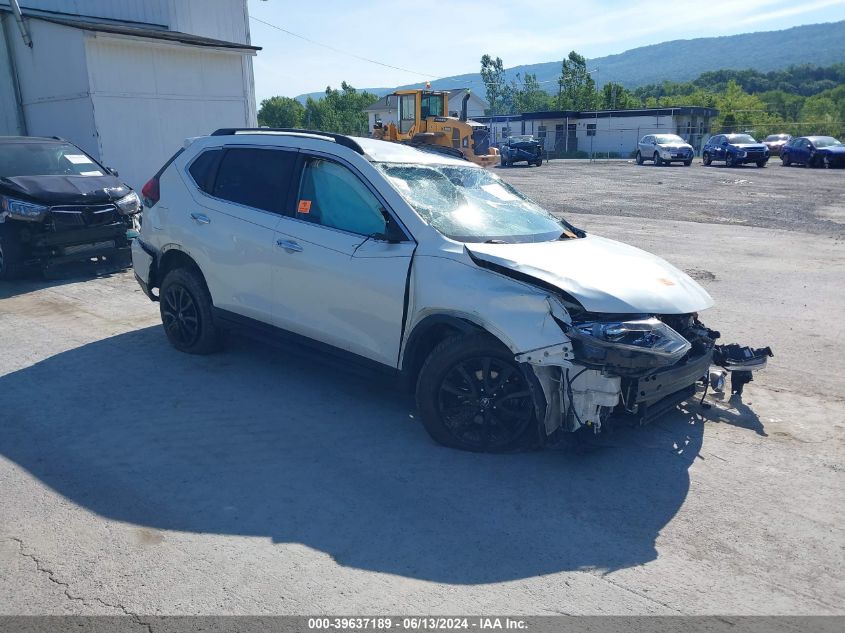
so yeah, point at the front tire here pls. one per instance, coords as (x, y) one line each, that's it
(785, 161)
(186, 312)
(730, 161)
(687, 163)
(761, 163)
(473, 395)
(705, 158)
(657, 160)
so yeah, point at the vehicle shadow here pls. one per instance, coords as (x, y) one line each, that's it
(66, 274)
(265, 441)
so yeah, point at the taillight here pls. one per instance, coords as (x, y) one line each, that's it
(150, 192)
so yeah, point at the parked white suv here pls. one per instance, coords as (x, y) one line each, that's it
(664, 149)
(510, 322)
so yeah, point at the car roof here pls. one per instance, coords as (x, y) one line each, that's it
(373, 149)
(815, 138)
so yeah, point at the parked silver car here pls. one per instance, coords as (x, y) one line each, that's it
(664, 149)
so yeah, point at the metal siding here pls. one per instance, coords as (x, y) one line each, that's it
(9, 124)
(54, 84)
(220, 19)
(149, 11)
(149, 97)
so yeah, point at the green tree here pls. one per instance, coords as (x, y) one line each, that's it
(281, 112)
(493, 76)
(340, 111)
(577, 90)
(821, 116)
(613, 96)
(529, 96)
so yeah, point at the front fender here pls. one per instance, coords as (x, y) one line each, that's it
(521, 316)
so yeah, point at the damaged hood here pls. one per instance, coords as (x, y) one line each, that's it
(52, 190)
(601, 274)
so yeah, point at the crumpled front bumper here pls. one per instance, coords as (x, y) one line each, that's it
(55, 248)
(583, 396)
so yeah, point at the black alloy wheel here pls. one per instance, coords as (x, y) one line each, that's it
(180, 315)
(485, 403)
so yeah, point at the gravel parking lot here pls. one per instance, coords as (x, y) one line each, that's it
(138, 480)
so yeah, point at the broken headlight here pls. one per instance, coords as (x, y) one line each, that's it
(21, 210)
(129, 204)
(631, 344)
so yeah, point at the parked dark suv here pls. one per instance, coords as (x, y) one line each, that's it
(57, 205)
(735, 149)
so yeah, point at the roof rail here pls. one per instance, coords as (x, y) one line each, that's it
(340, 139)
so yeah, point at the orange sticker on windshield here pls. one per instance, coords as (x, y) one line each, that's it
(304, 206)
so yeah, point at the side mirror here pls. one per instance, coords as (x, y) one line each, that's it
(112, 171)
(724, 143)
(392, 233)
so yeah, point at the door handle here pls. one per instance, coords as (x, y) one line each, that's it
(289, 245)
(200, 218)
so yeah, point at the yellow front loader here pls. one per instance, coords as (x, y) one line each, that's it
(423, 119)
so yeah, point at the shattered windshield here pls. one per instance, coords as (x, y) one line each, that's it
(468, 204)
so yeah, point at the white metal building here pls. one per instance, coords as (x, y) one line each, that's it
(127, 81)
(384, 109)
(613, 132)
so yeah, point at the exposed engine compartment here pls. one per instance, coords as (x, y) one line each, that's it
(636, 367)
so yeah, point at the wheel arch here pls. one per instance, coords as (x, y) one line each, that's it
(430, 332)
(170, 259)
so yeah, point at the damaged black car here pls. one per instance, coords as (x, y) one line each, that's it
(59, 205)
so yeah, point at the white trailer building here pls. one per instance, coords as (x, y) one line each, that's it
(126, 81)
(607, 132)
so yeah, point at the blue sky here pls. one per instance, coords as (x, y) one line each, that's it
(448, 38)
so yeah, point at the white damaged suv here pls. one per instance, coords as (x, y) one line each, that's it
(512, 324)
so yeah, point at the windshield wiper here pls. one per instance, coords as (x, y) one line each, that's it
(495, 241)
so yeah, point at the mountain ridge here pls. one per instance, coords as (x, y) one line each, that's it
(678, 60)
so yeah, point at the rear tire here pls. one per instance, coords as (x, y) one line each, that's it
(472, 395)
(186, 312)
(639, 158)
(705, 158)
(785, 161)
(11, 253)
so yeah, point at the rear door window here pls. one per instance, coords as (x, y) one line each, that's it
(254, 177)
(204, 168)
